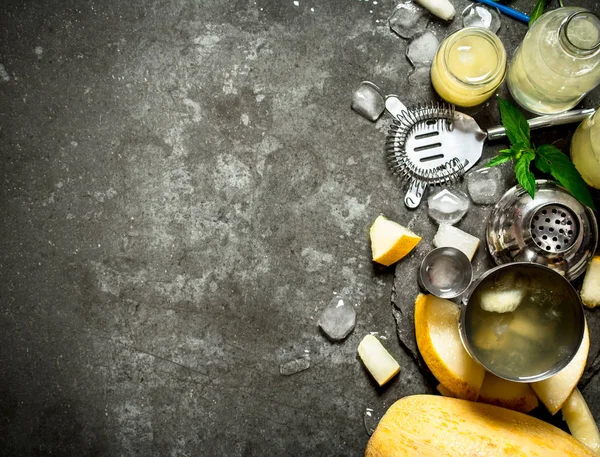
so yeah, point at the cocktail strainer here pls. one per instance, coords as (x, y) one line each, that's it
(553, 229)
(434, 144)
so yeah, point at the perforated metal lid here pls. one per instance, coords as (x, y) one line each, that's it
(553, 229)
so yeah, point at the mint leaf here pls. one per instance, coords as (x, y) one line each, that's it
(541, 163)
(517, 128)
(503, 156)
(537, 11)
(524, 175)
(562, 169)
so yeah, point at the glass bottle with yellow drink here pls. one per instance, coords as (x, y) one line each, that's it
(558, 61)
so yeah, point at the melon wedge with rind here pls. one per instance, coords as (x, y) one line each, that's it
(378, 361)
(581, 422)
(554, 391)
(438, 339)
(590, 289)
(517, 396)
(391, 241)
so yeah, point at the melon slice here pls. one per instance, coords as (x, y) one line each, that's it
(590, 290)
(581, 423)
(390, 241)
(436, 329)
(445, 392)
(554, 391)
(377, 360)
(517, 396)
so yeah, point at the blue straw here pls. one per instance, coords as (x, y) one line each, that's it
(506, 10)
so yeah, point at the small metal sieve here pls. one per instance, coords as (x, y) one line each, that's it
(554, 228)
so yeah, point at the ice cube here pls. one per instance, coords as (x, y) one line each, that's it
(485, 185)
(444, 273)
(422, 49)
(294, 366)
(480, 16)
(368, 101)
(447, 206)
(408, 19)
(338, 319)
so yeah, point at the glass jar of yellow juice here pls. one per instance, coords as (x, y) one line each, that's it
(469, 66)
(585, 150)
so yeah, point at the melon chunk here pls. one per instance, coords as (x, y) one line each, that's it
(512, 395)
(590, 290)
(554, 391)
(436, 329)
(501, 301)
(377, 360)
(581, 423)
(448, 235)
(390, 241)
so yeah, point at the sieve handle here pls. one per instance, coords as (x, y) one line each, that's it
(414, 193)
(394, 106)
(549, 120)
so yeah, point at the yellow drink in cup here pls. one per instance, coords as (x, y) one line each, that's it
(585, 150)
(469, 66)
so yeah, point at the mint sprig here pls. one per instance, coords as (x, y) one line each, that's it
(546, 158)
(537, 11)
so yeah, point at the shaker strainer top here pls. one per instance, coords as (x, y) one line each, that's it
(553, 229)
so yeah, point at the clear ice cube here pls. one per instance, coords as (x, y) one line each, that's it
(447, 206)
(444, 273)
(338, 319)
(480, 16)
(368, 101)
(408, 19)
(422, 49)
(485, 186)
(294, 366)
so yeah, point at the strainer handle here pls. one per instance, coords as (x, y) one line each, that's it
(414, 193)
(549, 120)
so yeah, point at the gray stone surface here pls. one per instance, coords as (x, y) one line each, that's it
(183, 187)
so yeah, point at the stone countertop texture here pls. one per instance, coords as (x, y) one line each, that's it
(183, 188)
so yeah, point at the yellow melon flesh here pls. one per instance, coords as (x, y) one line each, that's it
(590, 290)
(517, 396)
(445, 392)
(436, 329)
(581, 423)
(554, 391)
(390, 241)
(436, 426)
(448, 235)
(377, 360)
